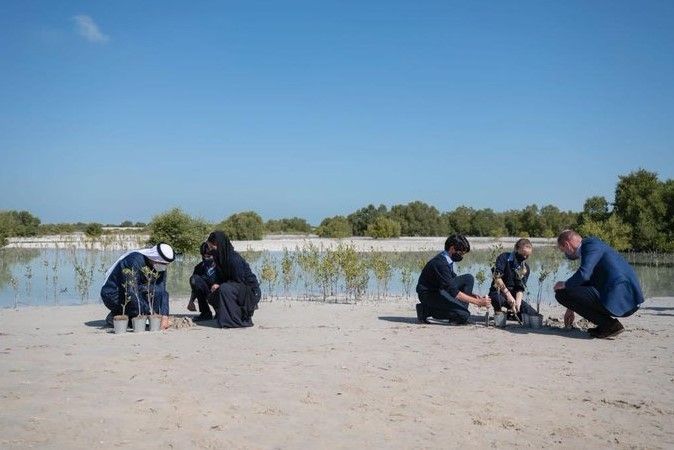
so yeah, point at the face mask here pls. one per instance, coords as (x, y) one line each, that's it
(571, 257)
(519, 257)
(208, 261)
(160, 267)
(456, 257)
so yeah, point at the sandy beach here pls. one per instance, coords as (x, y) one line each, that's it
(273, 243)
(313, 375)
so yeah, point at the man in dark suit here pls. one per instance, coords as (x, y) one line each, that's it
(443, 294)
(605, 286)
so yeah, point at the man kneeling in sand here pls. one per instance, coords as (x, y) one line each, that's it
(127, 279)
(444, 294)
(605, 286)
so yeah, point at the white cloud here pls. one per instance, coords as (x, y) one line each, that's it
(88, 29)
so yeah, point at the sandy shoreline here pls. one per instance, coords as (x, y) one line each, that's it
(312, 375)
(270, 243)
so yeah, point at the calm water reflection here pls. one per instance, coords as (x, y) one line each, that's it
(50, 277)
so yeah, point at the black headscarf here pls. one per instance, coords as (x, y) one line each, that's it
(223, 257)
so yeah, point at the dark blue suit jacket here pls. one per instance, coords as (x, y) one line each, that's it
(606, 270)
(436, 276)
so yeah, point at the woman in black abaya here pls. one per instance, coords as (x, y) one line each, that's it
(236, 291)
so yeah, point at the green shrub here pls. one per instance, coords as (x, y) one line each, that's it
(243, 226)
(94, 230)
(612, 231)
(294, 225)
(18, 223)
(183, 232)
(383, 228)
(334, 227)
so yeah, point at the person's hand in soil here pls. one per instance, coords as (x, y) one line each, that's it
(569, 317)
(483, 301)
(165, 324)
(190, 306)
(512, 303)
(215, 287)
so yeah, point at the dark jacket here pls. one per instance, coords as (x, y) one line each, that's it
(437, 276)
(606, 270)
(114, 289)
(208, 274)
(238, 271)
(506, 265)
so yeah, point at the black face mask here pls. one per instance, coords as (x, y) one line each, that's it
(456, 257)
(519, 257)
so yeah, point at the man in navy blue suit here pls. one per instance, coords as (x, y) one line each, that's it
(604, 287)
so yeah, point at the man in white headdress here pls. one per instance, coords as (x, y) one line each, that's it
(127, 280)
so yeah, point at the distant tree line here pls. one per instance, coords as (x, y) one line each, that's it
(639, 218)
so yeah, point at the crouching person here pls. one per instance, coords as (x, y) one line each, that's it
(511, 273)
(605, 286)
(236, 291)
(444, 294)
(127, 279)
(201, 281)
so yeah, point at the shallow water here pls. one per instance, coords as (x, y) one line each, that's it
(68, 277)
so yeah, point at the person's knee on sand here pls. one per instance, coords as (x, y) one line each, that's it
(442, 293)
(604, 286)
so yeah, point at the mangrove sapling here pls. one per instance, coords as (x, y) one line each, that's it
(15, 287)
(121, 322)
(132, 287)
(269, 274)
(494, 251)
(55, 279)
(382, 270)
(481, 277)
(308, 258)
(287, 271)
(542, 276)
(353, 269)
(84, 280)
(150, 275)
(361, 280)
(28, 275)
(45, 264)
(326, 272)
(407, 277)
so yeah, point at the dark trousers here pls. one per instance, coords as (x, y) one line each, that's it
(498, 301)
(441, 305)
(584, 300)
(201, 290)
(234, 304)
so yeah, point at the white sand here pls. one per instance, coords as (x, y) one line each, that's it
(312, 375)
(122, 242)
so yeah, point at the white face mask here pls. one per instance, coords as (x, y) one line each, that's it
(160, 267)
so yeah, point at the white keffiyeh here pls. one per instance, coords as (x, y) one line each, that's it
(160, 253)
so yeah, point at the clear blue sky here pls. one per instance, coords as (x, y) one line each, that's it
(122, 109)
